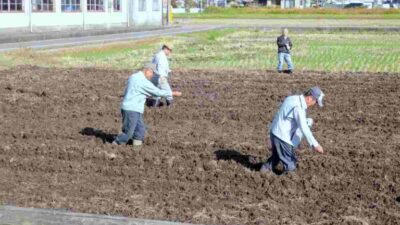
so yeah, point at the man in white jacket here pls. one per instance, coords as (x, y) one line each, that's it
(161, 74)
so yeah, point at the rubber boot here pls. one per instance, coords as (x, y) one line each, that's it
(169, 102)
(156, 102)
(137, 144)
(265, 168)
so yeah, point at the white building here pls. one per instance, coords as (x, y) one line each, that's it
(301, 4)
(295, 4)
(79, 14)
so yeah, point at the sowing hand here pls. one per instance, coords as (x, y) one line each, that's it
(176, 93)
(318, 149)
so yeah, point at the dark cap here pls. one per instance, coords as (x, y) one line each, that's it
(317, 94)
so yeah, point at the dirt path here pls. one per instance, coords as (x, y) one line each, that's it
(55, 125)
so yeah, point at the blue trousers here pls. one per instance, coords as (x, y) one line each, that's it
(132, 127)
(281, 152)
(284, 57)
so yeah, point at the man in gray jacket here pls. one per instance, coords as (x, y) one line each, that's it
(284, 47)
(138, 88)
(286, 125)
(161, 74)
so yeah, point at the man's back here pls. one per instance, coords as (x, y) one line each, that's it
(162, 64)
(132, 96)
(284, 124)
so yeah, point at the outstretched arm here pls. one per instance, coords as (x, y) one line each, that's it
(150, 90)
(301, 120)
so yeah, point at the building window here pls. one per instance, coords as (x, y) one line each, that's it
(42, 5)
(117, 5)
(70, 5)
(156, 5)
(10, 5)
(142, 5)
(95, 5)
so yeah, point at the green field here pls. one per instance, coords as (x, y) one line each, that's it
(232, 49)
(377, 24)
(277, 13)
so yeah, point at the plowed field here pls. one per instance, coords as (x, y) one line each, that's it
(200, 158)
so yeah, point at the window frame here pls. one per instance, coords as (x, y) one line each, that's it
(120, 6)
(9, 7)
(140, 9)
(44, 11)
(70, 5)
(158, 9)
(88, 5)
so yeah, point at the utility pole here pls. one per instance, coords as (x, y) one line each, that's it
(168, 11)
(128, 11)
(84, 10)
(30, 17)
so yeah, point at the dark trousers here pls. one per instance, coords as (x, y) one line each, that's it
(132, 127)
(281, 152)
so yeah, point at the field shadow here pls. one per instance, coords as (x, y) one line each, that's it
(247, 161)
(105, 137)
(287, 71)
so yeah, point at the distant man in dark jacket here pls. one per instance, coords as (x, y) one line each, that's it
(284, 47)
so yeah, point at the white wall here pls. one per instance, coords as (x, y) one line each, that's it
(14, 20)
(59, 20)
(148, 17)
(183, 10)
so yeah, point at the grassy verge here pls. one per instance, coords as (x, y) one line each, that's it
(274, 13)
(233, 49)
(298, 23)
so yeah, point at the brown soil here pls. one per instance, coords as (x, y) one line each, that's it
(199, 162)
